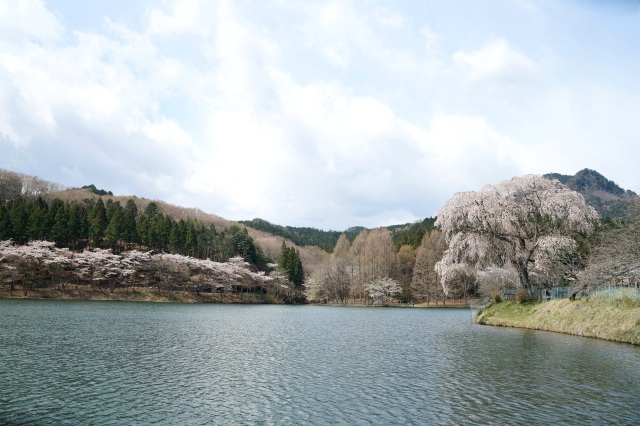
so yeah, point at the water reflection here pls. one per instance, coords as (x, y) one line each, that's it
(121, 363)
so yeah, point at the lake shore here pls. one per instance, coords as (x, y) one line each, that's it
(144, 294)
(138, 294)
(615, 320)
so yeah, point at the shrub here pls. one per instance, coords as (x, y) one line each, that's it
(522, 296)
(495, 296)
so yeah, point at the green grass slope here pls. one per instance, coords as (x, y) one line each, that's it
(617, 320)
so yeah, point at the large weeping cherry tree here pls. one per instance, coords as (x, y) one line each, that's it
(525, 224)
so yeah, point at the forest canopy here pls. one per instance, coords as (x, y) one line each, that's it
(109, 225)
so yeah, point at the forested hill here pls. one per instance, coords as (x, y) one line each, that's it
(303, 236)
(609, 199)
(405, 234)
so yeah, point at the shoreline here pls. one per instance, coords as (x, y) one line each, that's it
(140, 294)
(144, 294)
(613, 320)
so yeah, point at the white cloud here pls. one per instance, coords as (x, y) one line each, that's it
(347, 34)
(388, 18)
(85, 106)
(496, 60)
(312, 154)
(337, 119)
(431, 39)
(28, 20)
(180, 16)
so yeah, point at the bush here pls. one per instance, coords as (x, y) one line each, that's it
(495, 296)
(522, 296)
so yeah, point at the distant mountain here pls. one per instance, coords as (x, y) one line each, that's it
(609, 199)
(405, 234)
(301, 236)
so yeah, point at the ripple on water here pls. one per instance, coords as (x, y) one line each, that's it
(136, 363)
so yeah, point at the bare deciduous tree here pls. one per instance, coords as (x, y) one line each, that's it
(424, 283)
(616, 254)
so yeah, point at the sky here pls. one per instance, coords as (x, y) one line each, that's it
(326, 114)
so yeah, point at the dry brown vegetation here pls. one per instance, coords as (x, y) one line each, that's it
(139, 294)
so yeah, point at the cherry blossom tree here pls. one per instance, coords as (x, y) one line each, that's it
(381, 290)
(41, 261)
(495, 279)
(524, 224)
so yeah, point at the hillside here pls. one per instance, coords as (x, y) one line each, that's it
(13, 184)
(404, 234)
(609, 199)
(302, 236)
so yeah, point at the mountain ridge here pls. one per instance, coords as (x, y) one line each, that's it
(608, 198)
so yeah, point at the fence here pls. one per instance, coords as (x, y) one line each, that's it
(615, 292)
(553, 293)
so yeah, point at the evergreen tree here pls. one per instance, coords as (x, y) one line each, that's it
(38, 229)
(98, 223)
(210, 242)
(297, 272)
(108, 206)
(176, 237)
(78, 225)
(19, 213)
(129, 225)
(190, 238)
(148, 226)
(6, 229)
(239, 243)
(291, 265)
(114, 232)
(60, 229)
(164, 228)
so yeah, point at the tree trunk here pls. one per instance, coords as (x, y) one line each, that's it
(523, 273)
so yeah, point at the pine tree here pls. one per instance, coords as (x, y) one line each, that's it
(97, 223)
(38, 229)
(297, 274)
(190, 238)
(114, 232)
(148, 227)
(19, 214)
(290, 264)
(6, 229)
(60, 229)
(176, 237)
(129, 225)
(77, 227)
(164, 233)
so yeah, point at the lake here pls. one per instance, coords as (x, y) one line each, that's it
(120, 363)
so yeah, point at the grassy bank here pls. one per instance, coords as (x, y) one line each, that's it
(617, 320)
(458, 303)
(140, 294)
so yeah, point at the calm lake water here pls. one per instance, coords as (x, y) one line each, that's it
(118, 363)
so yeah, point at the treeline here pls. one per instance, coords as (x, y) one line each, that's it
(370, 270)
(94, 223)
(303, 236)
(406, 234)
(411, 234)
(367, 266)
